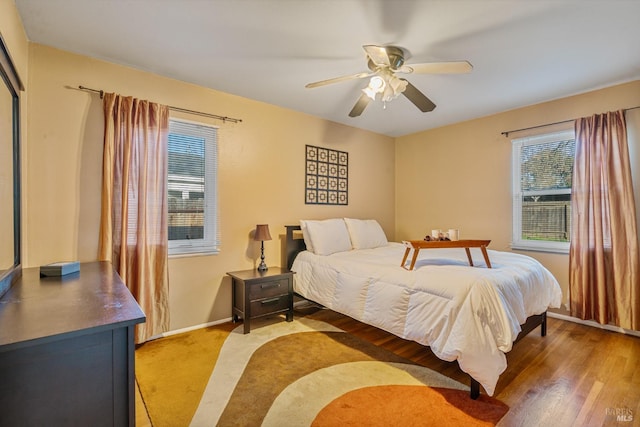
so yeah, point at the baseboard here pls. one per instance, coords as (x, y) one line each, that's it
(593, 324)
(190, 328)
(296, 304)
(305, 303)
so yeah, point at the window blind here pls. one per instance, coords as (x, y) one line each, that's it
(192, 187)
(542, 175)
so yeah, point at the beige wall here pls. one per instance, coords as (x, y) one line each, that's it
(455, 176)
(261, 173)
(459, 176)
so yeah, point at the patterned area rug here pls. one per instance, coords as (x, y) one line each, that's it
(302, 373)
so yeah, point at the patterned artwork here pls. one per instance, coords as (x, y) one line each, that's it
(326, 176)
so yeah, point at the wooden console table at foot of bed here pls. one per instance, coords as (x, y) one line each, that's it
(416, 245)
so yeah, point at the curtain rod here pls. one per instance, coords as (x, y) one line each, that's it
(507, 132)
(182, 110)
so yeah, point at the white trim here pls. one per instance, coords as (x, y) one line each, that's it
(189, 329)
(194, 122)
(591, 323)
(547, 137)
(541, 246)
(219, 322)
(304, 303)
(210, 243)
(517, 242)
(194, 254)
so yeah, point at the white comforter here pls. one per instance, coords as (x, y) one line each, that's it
(468, 314)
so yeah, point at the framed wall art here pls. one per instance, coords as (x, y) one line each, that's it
(327, 176)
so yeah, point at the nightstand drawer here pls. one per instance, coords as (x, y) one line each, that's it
(268, 289)
(270, 305)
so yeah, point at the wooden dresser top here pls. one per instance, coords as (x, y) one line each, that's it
(50, 308)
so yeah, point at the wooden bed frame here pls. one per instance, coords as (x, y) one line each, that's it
(294, 244)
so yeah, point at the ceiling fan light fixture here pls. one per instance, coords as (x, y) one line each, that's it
(384, 62)
(394, 88)
(376, 85)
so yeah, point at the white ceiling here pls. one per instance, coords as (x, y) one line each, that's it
(523, 51)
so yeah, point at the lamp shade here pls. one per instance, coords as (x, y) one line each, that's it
(262, 232)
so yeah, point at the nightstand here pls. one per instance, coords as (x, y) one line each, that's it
(260, 293)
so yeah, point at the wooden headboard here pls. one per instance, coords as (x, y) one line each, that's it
(294, 243)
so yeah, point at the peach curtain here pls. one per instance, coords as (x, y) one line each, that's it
(133, 225)
(604, 270)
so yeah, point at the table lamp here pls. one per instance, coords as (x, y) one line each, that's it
(262, 234)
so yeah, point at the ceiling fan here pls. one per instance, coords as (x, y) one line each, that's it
(384, 63)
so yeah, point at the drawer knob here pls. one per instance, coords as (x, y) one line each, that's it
(270, 301)
(270, 285)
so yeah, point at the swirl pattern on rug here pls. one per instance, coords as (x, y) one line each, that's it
(307, 372)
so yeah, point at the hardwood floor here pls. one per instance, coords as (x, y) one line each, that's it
(575, 376)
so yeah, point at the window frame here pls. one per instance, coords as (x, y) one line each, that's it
(210, 243)
(518, 242)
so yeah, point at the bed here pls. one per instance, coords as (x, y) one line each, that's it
(469, 314)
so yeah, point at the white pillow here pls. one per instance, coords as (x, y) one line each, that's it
(365, 233)
(328, 236)
(305, 235)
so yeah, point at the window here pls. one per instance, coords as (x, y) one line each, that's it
(192, 188)
(542, 172)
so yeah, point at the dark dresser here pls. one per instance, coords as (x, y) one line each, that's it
(67, 349)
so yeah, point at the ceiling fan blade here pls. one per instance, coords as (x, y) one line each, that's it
(361, 104)
(337, 80)
(423, 103)
(453, 67)
(377, 54)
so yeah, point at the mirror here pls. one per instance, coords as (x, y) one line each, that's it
(6, 181)
(10, 87)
